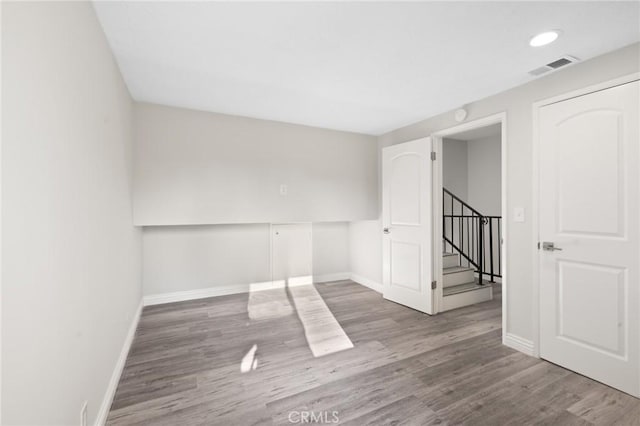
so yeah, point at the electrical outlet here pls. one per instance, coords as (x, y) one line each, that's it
(83, 414)
(283, 189)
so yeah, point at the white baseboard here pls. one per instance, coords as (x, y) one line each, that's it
(338, 276)
(373, 285)
(103, 413)
(519, 344)
(202, 293)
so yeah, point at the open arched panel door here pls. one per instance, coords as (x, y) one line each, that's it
(407, 224)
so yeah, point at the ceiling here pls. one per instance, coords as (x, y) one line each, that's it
(356, 66)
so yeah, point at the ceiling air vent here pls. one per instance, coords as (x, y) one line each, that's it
(558, 63)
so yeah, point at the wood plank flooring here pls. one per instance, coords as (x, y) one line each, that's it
(405, 368)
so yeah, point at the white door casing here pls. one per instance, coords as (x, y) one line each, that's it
(589, 191)
(407, 224)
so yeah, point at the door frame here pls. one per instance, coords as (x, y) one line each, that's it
(437, 137)
(535, 202)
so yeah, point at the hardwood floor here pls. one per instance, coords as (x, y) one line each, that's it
(405, 368)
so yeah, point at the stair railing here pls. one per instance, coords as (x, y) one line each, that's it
(476, 237)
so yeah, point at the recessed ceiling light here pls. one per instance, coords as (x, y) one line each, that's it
(544, 38)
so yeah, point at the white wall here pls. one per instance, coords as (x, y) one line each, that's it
(484, 180)
(330, 249)
(224, 173)
(471, 169)
(71, 257)
(454, 167)
(0, 211)
(181, 258)
(365, 251)
(517, 103)
(204, 168)
(185, 258)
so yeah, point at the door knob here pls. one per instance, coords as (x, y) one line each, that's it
(386, 230)
(549, 246)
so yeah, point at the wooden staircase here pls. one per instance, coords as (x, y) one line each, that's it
(460, 286)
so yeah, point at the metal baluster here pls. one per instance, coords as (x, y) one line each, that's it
(480, 248)
(473, 237)
(471, 242)
(461, 231)
(451, 217)
(491, 246)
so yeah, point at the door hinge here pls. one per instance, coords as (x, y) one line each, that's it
(538, 245)
(433, 156)
(433, 285)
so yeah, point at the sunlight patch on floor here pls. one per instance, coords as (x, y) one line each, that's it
(323, 332)
(249, 361)
(268, 301)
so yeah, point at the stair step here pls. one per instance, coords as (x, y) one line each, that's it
(450, 260)
(455, 269)
(457, 275)
(466, 294)
(461, 288)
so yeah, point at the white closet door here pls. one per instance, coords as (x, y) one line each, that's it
(589, 192)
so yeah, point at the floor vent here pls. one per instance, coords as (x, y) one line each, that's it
(554, 65)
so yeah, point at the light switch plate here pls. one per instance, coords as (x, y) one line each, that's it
(518, 214)
(283, 189)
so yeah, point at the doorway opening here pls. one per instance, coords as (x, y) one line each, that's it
(469, 209)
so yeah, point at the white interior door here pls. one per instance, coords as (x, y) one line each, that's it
(589, 191)
(292, 253)
(406, 219)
